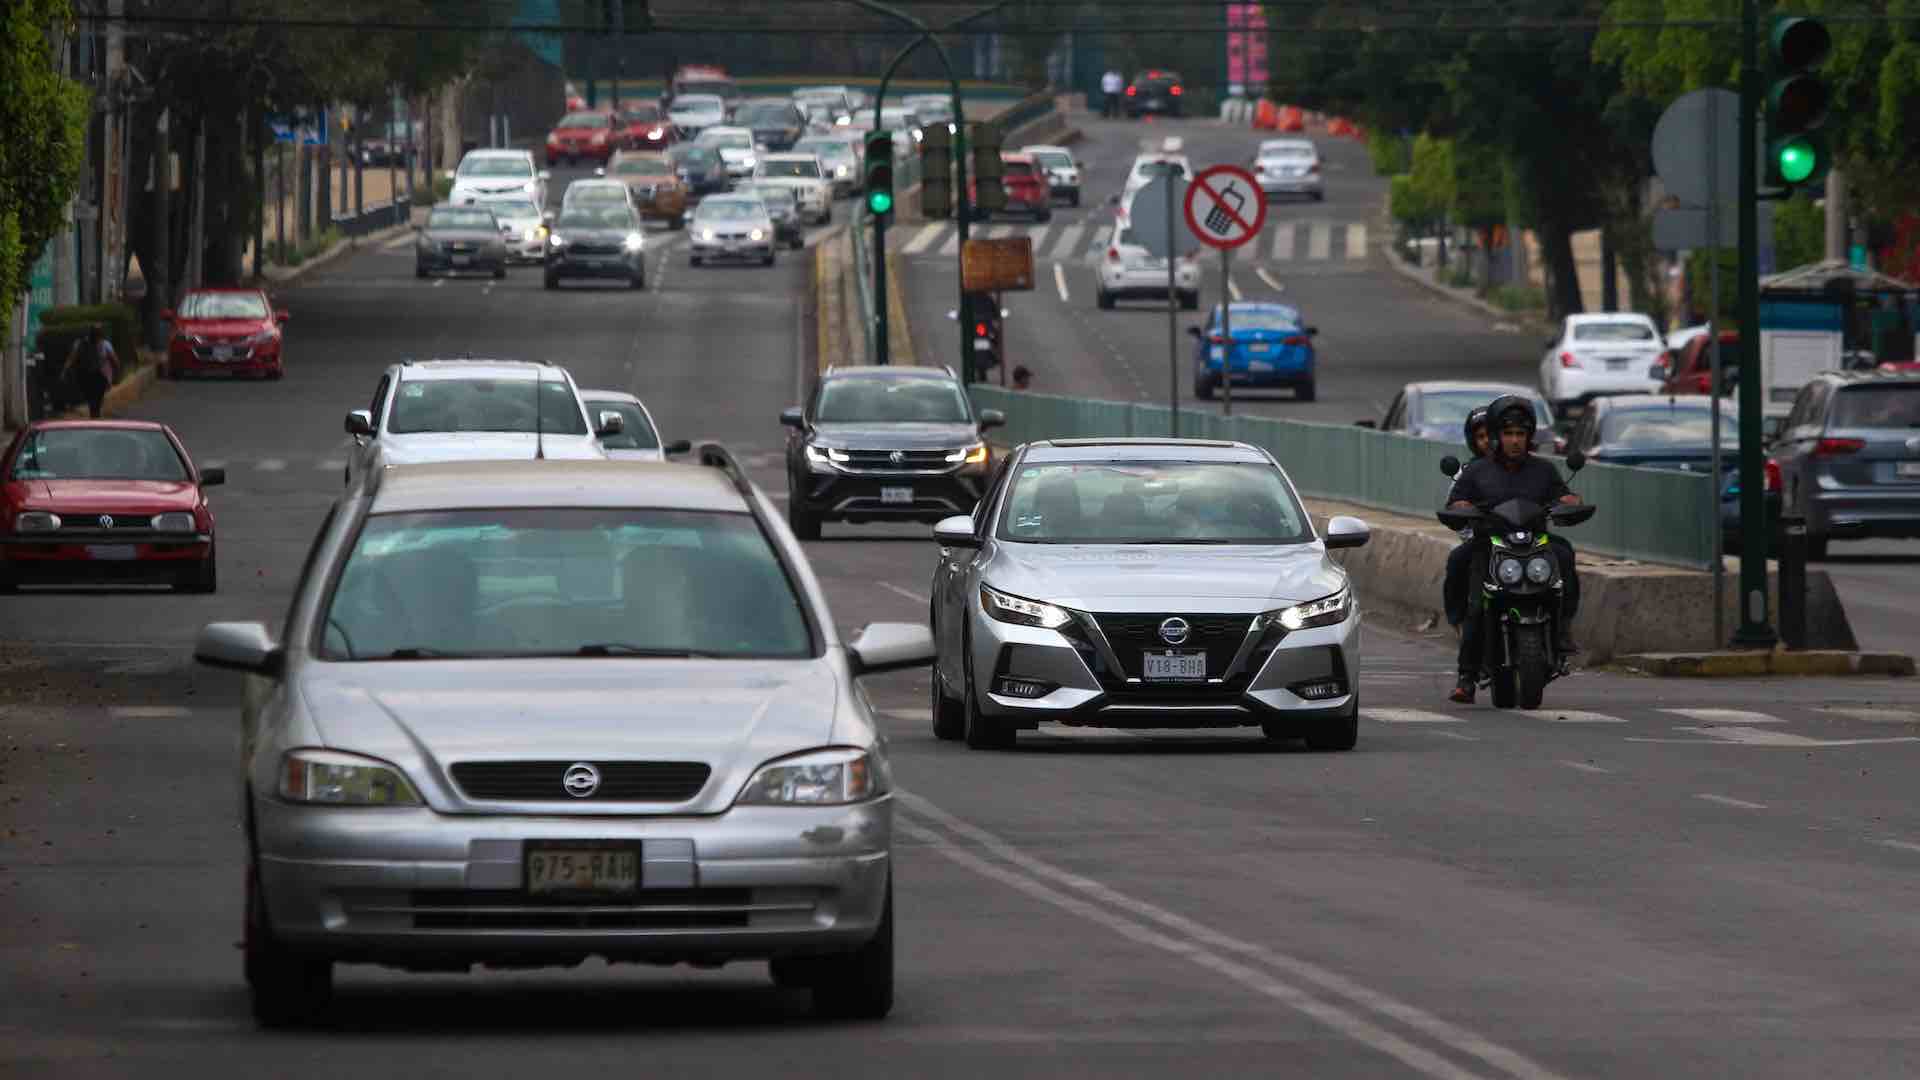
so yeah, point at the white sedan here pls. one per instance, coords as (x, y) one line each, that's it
(1128, 271)
(1610, 353)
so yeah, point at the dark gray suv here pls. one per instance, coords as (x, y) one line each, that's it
(1849, 457)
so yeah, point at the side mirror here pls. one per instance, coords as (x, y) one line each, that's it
(280, 316)
(167, 315)
(213, 477)
(992, 418)
(611, 423)
(794, 417)
(1450, 465)
(1370, 424)
(677, 446)
(1347, 532)
(890, 647)
(360, 423)
(1576, 461)
(238, 646)
(955, 531)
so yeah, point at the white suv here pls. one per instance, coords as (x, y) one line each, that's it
(1610, 353)
(802, 175)
(492, 174)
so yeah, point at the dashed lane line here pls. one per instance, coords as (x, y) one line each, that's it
(1723, 800)
(1356, 241)
(1725, 716)
(1060, 282)
(918, 598)
(1584, 767)
(1407, 716)
(1573, 716)
(1261, 273)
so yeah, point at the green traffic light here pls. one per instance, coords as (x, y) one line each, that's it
(880, 201)
(1796, 161)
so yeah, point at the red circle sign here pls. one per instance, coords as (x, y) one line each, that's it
(1225, 206)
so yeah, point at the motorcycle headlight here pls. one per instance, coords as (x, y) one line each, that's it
(1539, 569)
(1007, 608)
(969, 455)
(1326, 611)
(820, 778)
(1509, 571)
(337, 779)
(826, 458)
(633, 242)
(35, 521)
(174, 521)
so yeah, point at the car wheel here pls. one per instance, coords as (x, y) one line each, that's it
(1074, 199)
(1103, 300)
(638, 281)
(949, 714)
(553, 281)
(693, 260)
(279, 372)
(499, 271)
(1304, 391)
(1041, 217)
(202, 577)
(982, 732)
(805, 526)
(1336, 735)
(858, 985)
(287, 988)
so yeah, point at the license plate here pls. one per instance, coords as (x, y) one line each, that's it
(1260, 347)
(110, 552)
(1175, 665)
(1616, 364)
(582, 869)
(1261, 365)
(462, 260)
(896, 496)
(1907, 468)
(222, 352)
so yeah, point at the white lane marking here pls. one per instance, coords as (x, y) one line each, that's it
(1738, 804)
(1455, 735)
(1356, 241)
(918, 598)
(1573, 716)
(439, 282)
(149, 712)
(1319, 240)
(952, 244)
(213, 463)
(1069, 241)
(1261, 272)
(1584, 767)
(1901, 844)
(1184, 937)
(330, 465)
(1038, 234)
(1873, 715)
(1233, 287)
(1753, 736)
(922, 239)
(999, 232)
(272, 464)
(1101, 237)
(1725, 716)
(1406, 716)
(1283, 242)
(1060, 281)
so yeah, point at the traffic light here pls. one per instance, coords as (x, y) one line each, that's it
(879, 166)
(988, 194)
(936, 172)
(1797, 103)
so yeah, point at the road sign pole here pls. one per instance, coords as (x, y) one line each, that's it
(1173, 330)
(1226, 332)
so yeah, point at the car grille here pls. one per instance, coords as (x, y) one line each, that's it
(651, 909)
(461, 247)
(594, 249)
(881, 461)
(733, 237)
(620, 781)
(93, 523)
(1219, 636)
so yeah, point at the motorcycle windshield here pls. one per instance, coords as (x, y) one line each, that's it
(1520, 515)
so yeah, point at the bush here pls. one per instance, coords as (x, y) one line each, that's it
(1518, 297)
(1460, 277)
(295, 254)
(1389, 153)
(60, 327)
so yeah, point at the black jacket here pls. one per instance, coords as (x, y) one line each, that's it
(1486, 483)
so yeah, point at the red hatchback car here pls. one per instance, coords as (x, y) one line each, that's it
(644, 127)
(225, 331)
(583, 136)
(97, 501)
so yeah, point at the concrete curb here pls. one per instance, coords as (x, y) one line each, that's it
(1412, 273)
(1723, 665)
(280, 275)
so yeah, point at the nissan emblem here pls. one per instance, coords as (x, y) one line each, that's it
(1174, 631)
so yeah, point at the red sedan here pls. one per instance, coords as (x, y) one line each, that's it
(582, 136)
(228, 331)
(96, 501)
(644, 127)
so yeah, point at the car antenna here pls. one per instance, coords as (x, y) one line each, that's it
(539, 429)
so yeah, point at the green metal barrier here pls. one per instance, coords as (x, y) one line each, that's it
(1649, 515)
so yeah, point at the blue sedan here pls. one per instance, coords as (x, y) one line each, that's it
(1270, 347)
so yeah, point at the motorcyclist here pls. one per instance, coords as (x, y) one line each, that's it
(1512, 471)
(1453, 590)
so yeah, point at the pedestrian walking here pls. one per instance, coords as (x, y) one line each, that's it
(1110, 86)
(92, 368)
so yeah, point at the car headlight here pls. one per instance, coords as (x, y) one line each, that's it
(749, 161)
(1509, 571)
(842, 170)
(35, 521)
(557, 240)
(969, 455)
(1007, 608)
(706, 235)
(533, 233)
(827, 458)
(656, 133)
(1539, 570)
(174, 521)
(817, 778)
(633, 242)
(756, 235)
(1325, 611)
(337, 779)
(196, 339)
(264, 337)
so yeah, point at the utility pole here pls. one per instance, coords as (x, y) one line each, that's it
(259, 179)
(160, 274)
(1754, 630)
(1836, 245)
(197, 213)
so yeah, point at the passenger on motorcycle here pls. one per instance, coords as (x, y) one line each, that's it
(1512, 471)
(1453, 589)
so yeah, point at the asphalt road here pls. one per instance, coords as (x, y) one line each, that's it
(1648, 878)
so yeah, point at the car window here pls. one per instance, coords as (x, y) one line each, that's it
(486, 405)
(1152, 502)
(1888, 405)
(461, 217)
(307, 564)
(1449, 408)
(884, 400)
(699, 156)
(765, 115)
(1017, 168)
(642, 114)
(98, 454)
(638, 433)
(729, 210)
(223, 306)
(565, 582)
(1268, 319)
(728, 140)
(1053, 159)
(1652, 429)
(1612, 331)
(612, 192)
(583, 120)
(703, 102)
(380, 400)
(496, 166)
(595, 217)
(804, 169)
(512, 208)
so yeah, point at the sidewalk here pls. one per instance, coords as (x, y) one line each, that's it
(1428, 276)
(377, 186)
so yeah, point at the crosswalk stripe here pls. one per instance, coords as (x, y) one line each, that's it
(330, 464)
(952, 244)
(922, 239)
(1407, 716)
(1068, 242)
(999, 232)
(1356, 241)
(1283, 242)
(1574, 716)
(1038, 234)
(1872, 715)
(1724, 716)
(1319, 240)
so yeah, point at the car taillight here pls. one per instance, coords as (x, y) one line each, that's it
(1175, 91)
(979, 329)
(1313, 168)
(1771, 471)
(1296, 340)
(1113, 254)
(1568, 360)
(1132, 90)
(1703, 383)
(1838, 447)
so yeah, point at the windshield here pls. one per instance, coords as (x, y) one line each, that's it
(637, 435)
(765, 115)
(704, 93)
(583, 120)
(1159, 168)
(98, 454)
(1283, 150)
(512, 208)
(729, 210)
(642, 114)
(728, 140)
(643, 167)
(883, 400)
(1017, 168)
(805, 169)
(1152, 502)
(697, 156)
(447, 405)
(1888, 406)
(1654, 429)
(1612, 331)
(1053, 159)
(1449, 409)
(595, 217)
(563, 582)
(696, 103)
(612, 192)
(496, 166)
(1275, 319)
(774, 197)
(223, 306)
(824, 148)
(453, 217)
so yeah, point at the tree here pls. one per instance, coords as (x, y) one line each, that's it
(43, 124)
(1479, 198)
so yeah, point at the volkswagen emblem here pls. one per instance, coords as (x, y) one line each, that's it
(898, 457)
(106, 521)
(1174, 631)
(580, 780)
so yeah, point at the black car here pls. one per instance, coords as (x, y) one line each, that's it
(776, 125)
(700, 167)
(1668, 431)
(457, 238)
(885, 443)
(1156, 92)
(597, 240)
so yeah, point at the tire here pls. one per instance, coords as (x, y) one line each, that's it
(553, 281)
(949, 714)
(826, 216)
(1816, 547)
(1103, 300)
(768, 260)
(1336, 736)
(638, 281)
(287, 989)
(499, 271)
(694, 260)
(858, 985)
(805, 526)
(1531, 664)
(277, 374)
(1190, 301)
(1304, 391)
(204, 577)
(679, 222)
(1203, 388)
(1042, 217)
(798, 243)
(981, 732)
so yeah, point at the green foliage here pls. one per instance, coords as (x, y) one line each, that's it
(1420, 198)
(293, 254)
(1799, 232)
(1388, 152)
(61, 326)
(42, 133)
(1700, 283)
(1479, 187)
(1460, 277)
(1518, 297)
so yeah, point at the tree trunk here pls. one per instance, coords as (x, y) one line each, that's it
(156, 259)
(1563, 278)
(1609, 268)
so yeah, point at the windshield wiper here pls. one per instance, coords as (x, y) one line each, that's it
(418, 652)
(622, 648)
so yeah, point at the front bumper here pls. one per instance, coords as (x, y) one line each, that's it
(185, 359)
(437, 261)
(569, 264)
(1583, 384)
(1091, 679)
(722, 250)
(557, 153)
(100, 557)
(521, 249)
(868, 496)
(1292, 185)
(411, 885)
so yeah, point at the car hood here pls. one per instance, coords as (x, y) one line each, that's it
(223, 327)
(431, 446)
(593, 236)
(1161, 577)
(575, 132)
(733, 154)
(894, 436)
(489, 185)
(109, 496)
(426, 715)
(463, 236)
(791, 181)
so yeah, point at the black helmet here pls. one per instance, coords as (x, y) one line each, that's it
(1507, 411)
(1476, 421)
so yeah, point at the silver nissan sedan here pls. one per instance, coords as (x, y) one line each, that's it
(1144, 583)
(528, 712)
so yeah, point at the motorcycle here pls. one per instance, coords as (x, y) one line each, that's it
(1521, 590)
